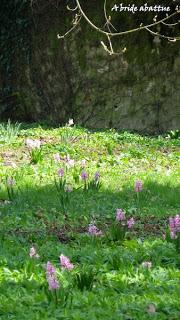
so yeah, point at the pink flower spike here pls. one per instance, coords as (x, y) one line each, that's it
(33, 253)
(130, 223)
(147, 264)
(50, 270)
(68, 188)
(61, 172)
(177, 223)
(138, 186)
(173, 235)
(57, 157)
(10, 182)
(97, 176)
(53, 283)
(84, 175)
(93, 230)
(70, 163)
(120, 215)
(65, 262)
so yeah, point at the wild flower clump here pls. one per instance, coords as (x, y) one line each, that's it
(65, 262)
(93, 184)
(121, 217)
(33, 144)
(93, 230)
(33, 253)
(174, 231)
(10, 181)
(51, 276)
(61, 172)
(147, 264)
(121, 226)
(84, 175)
(138, 186)
(35, 150)
(174, 226)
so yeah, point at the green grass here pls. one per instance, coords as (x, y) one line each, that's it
(108, 281)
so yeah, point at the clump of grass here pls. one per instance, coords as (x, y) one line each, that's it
(9, 131)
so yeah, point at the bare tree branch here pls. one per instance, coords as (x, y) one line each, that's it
(110, 34)
(115, 34)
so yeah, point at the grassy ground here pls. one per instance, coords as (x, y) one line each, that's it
(108, 280)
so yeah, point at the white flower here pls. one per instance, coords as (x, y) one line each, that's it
(71, 122)
(32, 144)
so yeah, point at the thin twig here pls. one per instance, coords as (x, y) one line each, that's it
(71, 29)
(162, 36)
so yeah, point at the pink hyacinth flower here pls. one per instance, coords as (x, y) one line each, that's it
(33, 253)
(130, 223)
(174, 226)
(120, 215)
(53, 283)
(97, 176)
(173, 235)
(70, 163)
(61, 172)
(68, 188)
(65, 262)
(57, 157)
(10, 182)
(93, 230)
(147, 264)
(50, 269)
(177, 222)
(138, 186)
(84, 175)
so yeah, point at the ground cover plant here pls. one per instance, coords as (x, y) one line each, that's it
(89, 224)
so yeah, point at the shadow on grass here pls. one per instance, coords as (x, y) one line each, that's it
(155, 203)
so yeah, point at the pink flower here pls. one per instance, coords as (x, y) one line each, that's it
(51, 276)
(50, 270)
(84, 175)
(68, 188)
(138, 186)
(65, 262)
(93, 230)
(130, 223)
(97, 176)
(70, 162)
(173, 235)
(33, 253)
(83, 163)
(120, 215)
(57, 157)
(147, 264)
(61, 172)
(177, 223)
(10, 182)
(174, 226)
(53, 283)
